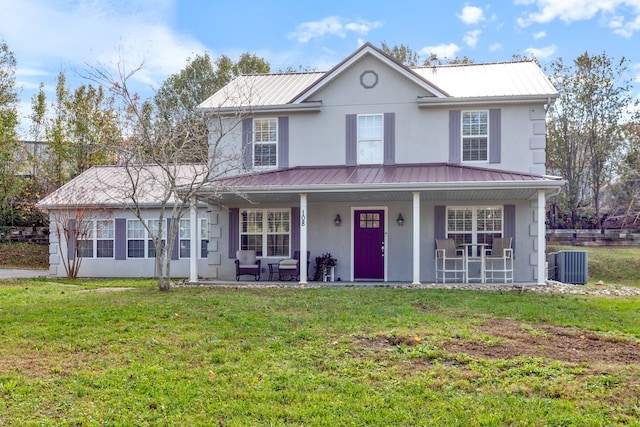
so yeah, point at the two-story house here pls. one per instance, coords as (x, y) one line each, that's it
(373, 161)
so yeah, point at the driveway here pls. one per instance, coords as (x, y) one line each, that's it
(15, 273)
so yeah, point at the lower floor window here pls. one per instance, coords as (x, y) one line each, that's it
(474, 225)
(267, 231)
(95, 238)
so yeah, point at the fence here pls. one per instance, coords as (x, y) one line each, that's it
(593, 237)
(35, 235)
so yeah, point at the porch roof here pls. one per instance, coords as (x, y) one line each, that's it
(435, 181)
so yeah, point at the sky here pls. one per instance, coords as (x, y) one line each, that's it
(50, 36)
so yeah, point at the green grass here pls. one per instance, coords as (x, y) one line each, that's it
(73, 355)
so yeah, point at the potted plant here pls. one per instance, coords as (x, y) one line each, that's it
(324, 263)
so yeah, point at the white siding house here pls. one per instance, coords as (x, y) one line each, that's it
(456, 151)
(370, 161)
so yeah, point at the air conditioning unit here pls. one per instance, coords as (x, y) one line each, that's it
(569, 267)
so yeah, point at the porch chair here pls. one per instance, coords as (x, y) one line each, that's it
(449, 260)
(247, 263)
(499, 260)
(291, 266)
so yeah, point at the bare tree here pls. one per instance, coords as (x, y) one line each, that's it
(74, 225)
(154, 155)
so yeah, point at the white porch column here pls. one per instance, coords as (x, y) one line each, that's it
(542, 247)
(416, 237)
(303, 239)
(193, 259)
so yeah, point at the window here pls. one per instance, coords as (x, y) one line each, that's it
(95, 238)
(184, 235)
(267, 231)
(265, 142)
(475, 136)
(105, 233)
(204, 238)
(136, 235)
(154, 232)
(84, 233)
(370, 139)
(474, 224)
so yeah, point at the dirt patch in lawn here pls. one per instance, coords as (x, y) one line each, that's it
(503, 339)
(514, 338)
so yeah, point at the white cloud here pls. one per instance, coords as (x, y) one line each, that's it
(542, 53)
(494, 47)
(540, 35)
(610, 12)
(72, 34)
(442, 51)
(52, 36)
(331, 26)
(471, 15)
(472, 37)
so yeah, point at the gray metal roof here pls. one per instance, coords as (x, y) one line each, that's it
(447, 82)
(520, 79)
(111, 186)
(261, 90)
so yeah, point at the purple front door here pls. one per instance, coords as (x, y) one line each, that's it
(368, 257)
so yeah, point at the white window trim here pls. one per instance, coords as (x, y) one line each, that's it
(474, 221)
(265, 233)
(92, 236)
(203, 235)
(255, 143)
(184, 234)
(462, 136)
(359, 139)
(147, 238)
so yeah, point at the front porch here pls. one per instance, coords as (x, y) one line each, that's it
(410, 205)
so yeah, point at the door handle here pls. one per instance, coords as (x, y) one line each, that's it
(382, 249)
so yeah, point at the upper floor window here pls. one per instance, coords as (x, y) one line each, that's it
(475, 136)
(265, 142)
(267, 231)
(370, 139)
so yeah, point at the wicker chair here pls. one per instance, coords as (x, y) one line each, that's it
(247, 263)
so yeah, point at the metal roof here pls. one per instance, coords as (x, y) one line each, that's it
(387, 182)
(261, 90)
(520, 79)
(111, 186)
(448, 82)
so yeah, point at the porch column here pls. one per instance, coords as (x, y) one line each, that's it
(416, 237)
(303, 239)
(193, 259)
(542, 247)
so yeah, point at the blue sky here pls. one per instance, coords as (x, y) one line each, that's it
(48, 36)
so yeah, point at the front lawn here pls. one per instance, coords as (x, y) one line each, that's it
(73, 353)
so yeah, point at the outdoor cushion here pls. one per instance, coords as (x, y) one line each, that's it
(246, 258)
(288, 264)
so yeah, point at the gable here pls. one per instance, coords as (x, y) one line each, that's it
(370, 81)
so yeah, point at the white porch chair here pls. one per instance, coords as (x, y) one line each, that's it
(499, 260)
(450, 262)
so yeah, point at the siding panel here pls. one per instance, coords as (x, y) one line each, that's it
(389, 138)
(352, 140)
(495, 136)
(121, 238)
(455, 135)
(283, 142)
(234, 232)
